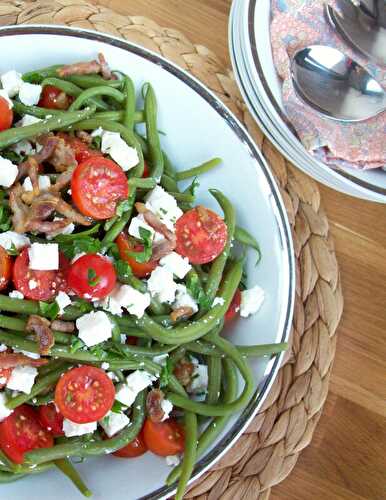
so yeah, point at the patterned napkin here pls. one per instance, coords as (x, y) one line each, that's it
(295, 25)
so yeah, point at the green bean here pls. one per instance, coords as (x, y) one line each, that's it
(89, 94)
(217, 268)
(43, 400)
(169, 183)
(148, 183)
(249, 351)
(245, 238)
(195, 171)
(88, 81)
(53, 364)
(37, 76)
(185, 197)
(4, 460)
(14, 135)
(90, 448)
(196, 329)
(116, 330)
(38, 387)
(156, 157)
(18, 326)
(65, 466)
(143, 351)
(117, 116)
(21, 306)
(142, 142)
(65, 86)
(214, 377)
(23, 109)
(190, 450)
(9, 477)
(169, 169)
(129, 111)
(220, 409)
(121, 222)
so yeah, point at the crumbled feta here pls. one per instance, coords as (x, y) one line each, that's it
(33, 355)
(29, 93)
(28, 120)
(161, 285)
(135, 383)
(43, 256)
(184, 299)
(112, 376)
(23, 147)
(109, 304)
(94, 328)
(161, 359)
(131, 299)
(8, 172)
(164, 206)
(251, 301)
(199, 381)
(63, 300)
(11, 82)
(72, 429)
(10, 238)
(32, 284)
(43, 181)
(15, 294)
(4, 95)
(218, 301)
(139, 221)
(114, 422)
(3, 347)
(4, 411)
(105, 366)
(120, 152)
(97, 132)
(22, 378)
(77, 256)
(176, 264)
(167, 407)
(172, 460)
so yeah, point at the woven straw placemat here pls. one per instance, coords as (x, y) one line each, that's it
(270, 447)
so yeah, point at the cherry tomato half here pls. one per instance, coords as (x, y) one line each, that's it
(135, 448)
(22, 432)
(92, 276)
(201, 235)
(84, 394)
(6, 114)
(5, 268)
(51, 419)
(45, 284)
(54, 98)
(97, 185)
(234, 307)
(81, 150)
(125, 245)
(164, 438)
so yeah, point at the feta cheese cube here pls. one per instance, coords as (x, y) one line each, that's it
(8, 172)
(161, 285)
(251, 301)
(164, 206)
(72, 429)
(131, 299)
(176, 264)
(184, 299)
(167, 407)
(4, 412)
(94, 328)
(43, 256)
(11, 82)
(199, 381)
(110, 304)
(22, 378)
(10, 238)
(112, 423)
(63, 300)
(29, 93)
(23, 147)
(218, 301)
(4, 95)
(119, 150)
(135, 383)
(15, 294)
(43, 181)
(28, 120)
(172, 460)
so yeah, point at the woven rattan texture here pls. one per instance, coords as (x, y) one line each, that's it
(270, 447)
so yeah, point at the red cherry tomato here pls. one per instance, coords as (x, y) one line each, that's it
(135, 448)
(54, 98)
(125, 245)
(84, 394)
(22, 432)
(164, 438)
(5, 268)
(92, 276)
(201, 235)
(146, 170)
(48, 283)
(81, 150)
(51, 419)
(234, 307)
(6, 114)
(5, 374)
(97, 185)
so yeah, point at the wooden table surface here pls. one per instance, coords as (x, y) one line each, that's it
(347, 458)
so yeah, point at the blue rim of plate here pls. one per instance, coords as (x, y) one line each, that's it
(259, 69)
(281, 220)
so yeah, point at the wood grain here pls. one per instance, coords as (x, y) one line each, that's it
(346, 460)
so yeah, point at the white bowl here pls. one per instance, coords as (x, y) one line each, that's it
(197, 127)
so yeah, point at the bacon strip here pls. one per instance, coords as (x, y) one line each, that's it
(154, 405)
(63, 180)
(20, 211)
(87, 68)
(41, 327)
(56, 152)
(63, 326)
(183, 371)
(13, 359)
(181, 312)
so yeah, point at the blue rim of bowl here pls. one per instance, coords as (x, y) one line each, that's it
(281, 219)
(259, 69)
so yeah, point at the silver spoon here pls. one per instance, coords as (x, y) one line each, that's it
(336, 86)
(360, 30)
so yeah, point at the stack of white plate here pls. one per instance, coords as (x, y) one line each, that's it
(250, 49)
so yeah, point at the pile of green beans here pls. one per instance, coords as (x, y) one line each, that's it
(112, 106)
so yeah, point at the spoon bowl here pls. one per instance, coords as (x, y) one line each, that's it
(336, 86)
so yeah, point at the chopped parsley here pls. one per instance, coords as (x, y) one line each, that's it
(49, 309)
(146, 241)
(92, 278)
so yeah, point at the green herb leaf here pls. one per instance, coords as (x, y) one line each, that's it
(86, 244)
(146, 241)
(96, 142)
(118, 407)
(83, 305)
(5, 215)
(98, 352)
(195, 289)
(13, 250)
(166, 372)
(124, 272)
(12, 156)
(76, 345)
(49, 309)
(92, 278)
(122, 207)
